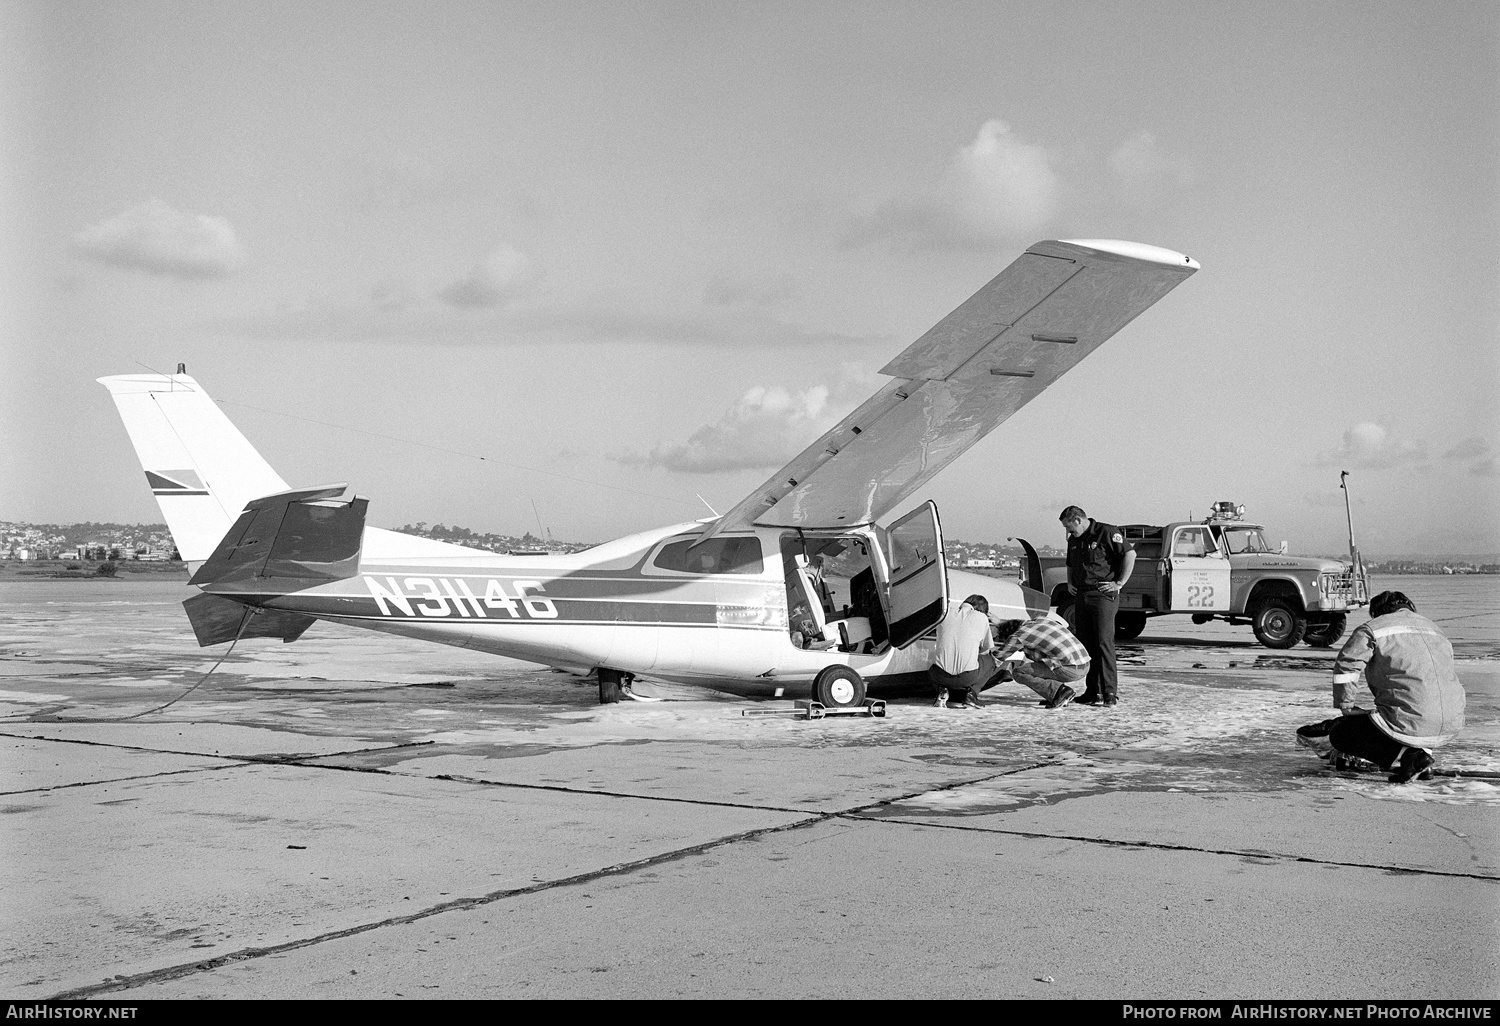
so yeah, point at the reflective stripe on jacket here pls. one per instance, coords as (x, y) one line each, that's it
(1408, 667)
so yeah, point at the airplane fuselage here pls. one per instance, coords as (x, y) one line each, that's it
(617, 606)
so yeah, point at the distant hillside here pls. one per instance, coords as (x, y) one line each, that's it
(491, 542)
(99, 540)
(56, 540)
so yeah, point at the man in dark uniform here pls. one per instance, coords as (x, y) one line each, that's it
(1099, 563)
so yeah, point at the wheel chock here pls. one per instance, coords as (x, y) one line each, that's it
(799, 711)
(817, 710)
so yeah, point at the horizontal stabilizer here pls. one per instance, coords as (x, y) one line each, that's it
(294, 536)
(218, 620)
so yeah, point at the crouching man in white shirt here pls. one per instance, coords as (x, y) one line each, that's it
(964, 659)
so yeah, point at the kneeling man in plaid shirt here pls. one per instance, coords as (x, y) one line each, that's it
(1054, 658)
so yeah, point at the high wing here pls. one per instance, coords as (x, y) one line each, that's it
(984, 361)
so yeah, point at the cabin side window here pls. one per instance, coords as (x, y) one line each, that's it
(715, 556)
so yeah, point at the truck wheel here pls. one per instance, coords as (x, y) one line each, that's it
(1068, 610)
(1128, 626)
(838, 687)
(1278, 624)
(1325, 634)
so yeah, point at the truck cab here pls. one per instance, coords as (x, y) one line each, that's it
(1223, 568)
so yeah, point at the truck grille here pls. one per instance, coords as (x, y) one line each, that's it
(1349, 588)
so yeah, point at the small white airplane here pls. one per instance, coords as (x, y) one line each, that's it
(798, 591)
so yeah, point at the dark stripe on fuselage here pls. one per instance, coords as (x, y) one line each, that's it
(569, 611)
(579, 582)
(507, 622)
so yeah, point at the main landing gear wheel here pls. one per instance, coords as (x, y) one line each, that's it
(1325, 634)
(611, 686)
(838, 687)
(1128, 626)
(1278, 624)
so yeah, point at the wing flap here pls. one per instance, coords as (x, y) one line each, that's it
(1000, 349)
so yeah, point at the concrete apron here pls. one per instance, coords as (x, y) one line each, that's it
(359, 840)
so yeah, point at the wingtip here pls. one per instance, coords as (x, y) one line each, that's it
(118, 383)
(1136, 251)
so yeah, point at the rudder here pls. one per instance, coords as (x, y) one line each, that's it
(202, 471)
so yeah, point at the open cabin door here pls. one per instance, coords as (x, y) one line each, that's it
(917, 594)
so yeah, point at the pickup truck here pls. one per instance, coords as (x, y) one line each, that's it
(1222, 568)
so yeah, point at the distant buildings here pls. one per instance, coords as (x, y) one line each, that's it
(1414, 566)
(92, 542)
(95, 542)
(983, 555)
(526, 545)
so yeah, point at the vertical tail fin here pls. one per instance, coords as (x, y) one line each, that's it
(201, 469)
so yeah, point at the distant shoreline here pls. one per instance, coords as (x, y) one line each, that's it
(130, 571)
(135, 571)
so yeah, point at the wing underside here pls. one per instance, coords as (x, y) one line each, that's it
(1018, 334)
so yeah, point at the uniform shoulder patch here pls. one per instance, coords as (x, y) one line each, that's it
(1117, 537)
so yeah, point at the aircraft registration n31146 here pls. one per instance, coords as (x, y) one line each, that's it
(798, 591)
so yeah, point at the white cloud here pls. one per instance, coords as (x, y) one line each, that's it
(155, 238)
(495, 281)
(765, 427)
(1003, 185)
(1143, 173)
(1370, 446)
(999, 187)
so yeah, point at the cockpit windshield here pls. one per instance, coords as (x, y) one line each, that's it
(1245, 539)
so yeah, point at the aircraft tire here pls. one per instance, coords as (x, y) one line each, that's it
(838, 687)
(610, 690)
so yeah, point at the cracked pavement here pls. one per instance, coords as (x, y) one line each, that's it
(359, 816)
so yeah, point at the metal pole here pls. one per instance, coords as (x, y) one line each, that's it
(1361, 580)
(1348, 512)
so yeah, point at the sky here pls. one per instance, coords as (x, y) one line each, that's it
(591, 268)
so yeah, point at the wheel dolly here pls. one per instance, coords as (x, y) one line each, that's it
(818, 711)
